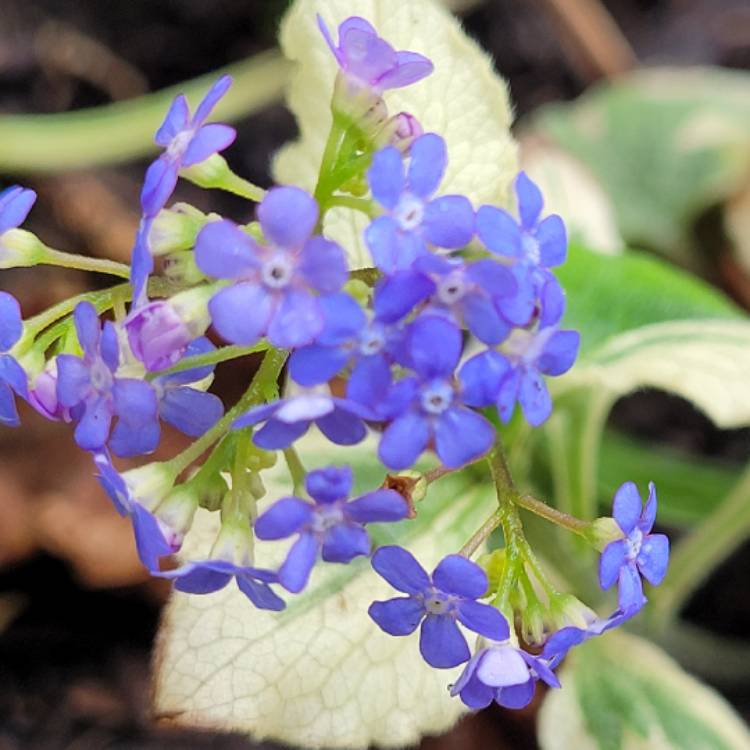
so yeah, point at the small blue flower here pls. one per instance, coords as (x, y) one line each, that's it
(207, 576)
(191, 410)
(427, 406)
(151, 538)
(13, 379)
(348, 339)
(275, 287)
(560, 642)
(503, 673)
(286, 420)
(438, 602)
(369, 62)
(90, 389)
(640, 553)
(513, 372)
(412, 221)
(331, 526)
(187, 141)
(15, 204)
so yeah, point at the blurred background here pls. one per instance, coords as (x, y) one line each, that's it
(77, 614)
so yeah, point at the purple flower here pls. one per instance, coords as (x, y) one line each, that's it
(340, 420)
(90, 389)
(559, 643)
(412, 221)
(348, 339)
(539, 244)
(438, 602)
(640, 553)
(514, 372)
(157, 334)
(187, 141)
(151, 538)
(207, 576)
(13, 380)
(427, 406)
(191, 410)
(331, 526)
(275, 285)
(369, 62)
(504, 673)
(15, 204)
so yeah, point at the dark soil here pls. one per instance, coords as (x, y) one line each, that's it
(74, 666)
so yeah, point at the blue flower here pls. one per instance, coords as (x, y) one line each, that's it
(15, 204)
(331, 526)
(427, 406)
(275, 287)
(90, 389)
(438, 602)
(513, 373)
(340, 420)
(207, 576)
(348, 339)
(151, 538)
(412, 221)
(369, 62)
(503, 673)
(640, 553)
(560, 642)
(13, 378)
(191, 410)
(187, 141)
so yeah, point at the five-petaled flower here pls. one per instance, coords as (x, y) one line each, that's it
(438, 602)
(331, 526)
(639, 553)
(275, 285)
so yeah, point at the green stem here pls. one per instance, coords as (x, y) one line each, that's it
(51, 257)
(571, 523)
(237, 185)
(698, 554)
(297, 470)
(215, 357)
(328, 162)
(481, 534)
(267, 374)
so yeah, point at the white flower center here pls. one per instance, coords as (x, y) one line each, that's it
(277, 271)
(371, 341)
(633, 543)
(409, 212)
(437, 603)
(326, 517)
(531, 248)
(101, 377)
(178, 145)
(436, 397)
(452, 288)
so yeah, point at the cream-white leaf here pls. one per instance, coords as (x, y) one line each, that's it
(706, 362)
(621, 692)
(320, 674)
(463, 100)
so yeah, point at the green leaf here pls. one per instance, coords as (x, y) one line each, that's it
(622, 693)
(463, 100)
(608, 295)
(321, 673)
(666, 144)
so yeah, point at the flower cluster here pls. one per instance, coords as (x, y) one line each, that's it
(459, 321)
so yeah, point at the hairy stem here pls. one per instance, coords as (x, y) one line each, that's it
(297, 470)
(52, 257)
(571, 523)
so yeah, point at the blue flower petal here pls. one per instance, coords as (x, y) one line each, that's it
(519, 307)
(382, 239)
(611, 561)
(427, 164)
(501, 666)
(284, 518)
(149, 538)
(508, 394)
(399, 616)
(287, 216)
(648, 515)
(296, 569)
(296, 321)
(630, 589)
(516, 696)
(93, 429)
(8, 411)
(495, 278)
(397, 295)
(199, 578)
(378, 507)
(11, 324)
(210, 139)
(552, 300)
(158, 185)
(411, 67)
(344, 319)
(191, 411)
(456, 574)
(175, 121)
(529, 200)
(87, 327)
(499, 232)
(403, 441)
(224, 251)
(653, 558)
(369, 382)
(211, 99)
(627, 506)
(441, 643)
(134, 438)
(276, 435)
(559, 352)
(342, 427)
(534, 398)
(553, 241)
(342, 543)
(367, 56)
(476, 695)
(330, 483)
(401, 569)
(314, 364)
(483, 320)
(449, 221)
(15, 204)
(434, 345)
(386, 177)
(481, 378)
(461, 436)
(260, 594)
(323, 265)
(13, 375)
(241, 313)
